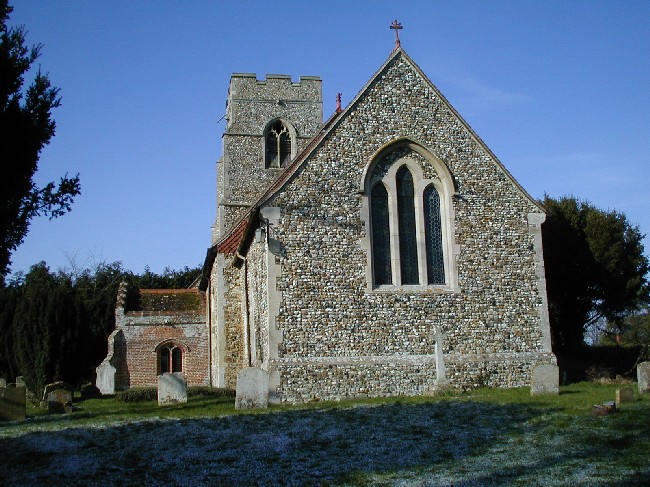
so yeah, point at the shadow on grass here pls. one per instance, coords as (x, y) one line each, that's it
(464, 442)
(295, 447)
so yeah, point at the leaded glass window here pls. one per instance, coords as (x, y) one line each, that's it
(380, 235)
(433, 236)
(408, 253)
(277, 145)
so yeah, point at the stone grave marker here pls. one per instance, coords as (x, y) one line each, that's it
(252, 389)
(53, 387)
(545, 379)
(20, 382)
(172, 388)
(59, 401)
(623, 395)
(13, 403)
(3, 382)
(643, 377)
(105, 381)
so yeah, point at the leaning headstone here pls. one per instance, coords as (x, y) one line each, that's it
(54, 386)
(3, 383)
(105, 378)
(13, 403)
(252, 389)
(545, 379)
(172, 388)
(643, 377)
(624, 395)
(59, 401)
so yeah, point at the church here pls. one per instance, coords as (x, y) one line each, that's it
(383, 251)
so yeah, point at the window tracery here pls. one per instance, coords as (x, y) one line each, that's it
(277, 145)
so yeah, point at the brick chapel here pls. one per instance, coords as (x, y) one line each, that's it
(385, 251)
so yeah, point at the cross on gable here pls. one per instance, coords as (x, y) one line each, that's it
(396, 26)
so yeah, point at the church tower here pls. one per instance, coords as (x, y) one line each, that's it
(268, 122)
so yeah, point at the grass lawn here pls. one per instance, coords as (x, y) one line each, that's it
(483, 437)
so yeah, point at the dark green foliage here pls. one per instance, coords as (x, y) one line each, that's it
(596, 269)
(142, 394)
(26, 127)
(54, 326)
(138, 394)
(210, 392)
(8, 300)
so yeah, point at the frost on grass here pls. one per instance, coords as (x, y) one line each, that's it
(439, 443)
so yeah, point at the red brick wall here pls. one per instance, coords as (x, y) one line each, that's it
(141, 357)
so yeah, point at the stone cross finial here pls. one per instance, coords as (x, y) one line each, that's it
(338, 103)
(397, 27)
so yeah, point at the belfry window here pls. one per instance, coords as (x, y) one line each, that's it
(277, 145)
(170, 359)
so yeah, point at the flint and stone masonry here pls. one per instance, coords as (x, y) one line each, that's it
(289, 277)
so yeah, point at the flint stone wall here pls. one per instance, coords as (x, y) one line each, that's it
(493, 324)
(337, 336)
(252, 104)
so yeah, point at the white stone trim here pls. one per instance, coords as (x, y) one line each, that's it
(273, 272)
(217, 294)
(535, 221)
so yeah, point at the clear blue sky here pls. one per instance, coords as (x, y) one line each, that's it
(560, 91)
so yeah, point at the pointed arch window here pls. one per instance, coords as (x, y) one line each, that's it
(433, 236)
(410, 223)
(170, 359)
(380, 235)
(277, 145)
(408, 247)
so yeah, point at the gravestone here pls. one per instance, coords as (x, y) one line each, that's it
(105, 381)
(252, 389)
(3, 383)
(20, 382)
(643, 377)
(13, 403)
(624, 395)
(55, 386)
(172, 388)
(59, 401)
(545, 379)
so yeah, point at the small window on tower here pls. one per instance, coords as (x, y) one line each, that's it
(277, 145)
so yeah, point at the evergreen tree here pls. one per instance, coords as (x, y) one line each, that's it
(26, 127)
(596, 269)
